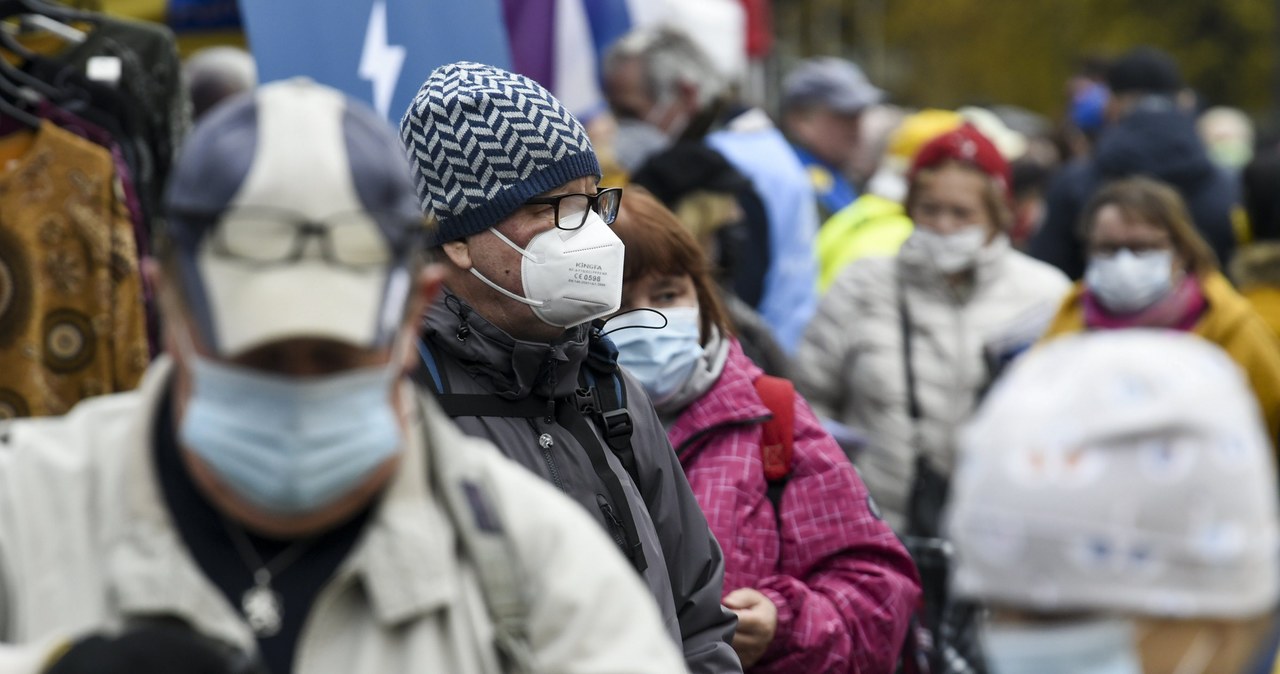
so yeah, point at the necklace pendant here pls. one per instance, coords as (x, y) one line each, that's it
(262, 609)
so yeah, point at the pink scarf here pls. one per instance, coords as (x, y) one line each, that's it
(1177, 310)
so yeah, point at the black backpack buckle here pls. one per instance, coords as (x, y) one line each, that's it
(617, 423)
(586, 400)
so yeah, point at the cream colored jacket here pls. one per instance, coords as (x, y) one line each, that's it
(86, 543)
(850, 365)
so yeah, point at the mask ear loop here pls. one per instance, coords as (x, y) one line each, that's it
(632, 311)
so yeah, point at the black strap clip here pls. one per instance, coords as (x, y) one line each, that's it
(617, 423)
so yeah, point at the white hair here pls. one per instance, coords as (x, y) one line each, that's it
(670, 58)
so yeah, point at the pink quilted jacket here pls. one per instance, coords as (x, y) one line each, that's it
(844, 586)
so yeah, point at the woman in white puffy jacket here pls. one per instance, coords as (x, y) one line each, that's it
(957, 297)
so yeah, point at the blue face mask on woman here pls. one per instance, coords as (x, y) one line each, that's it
(662, 359)
(290, 445)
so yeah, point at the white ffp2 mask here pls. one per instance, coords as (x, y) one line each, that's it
(571, 276)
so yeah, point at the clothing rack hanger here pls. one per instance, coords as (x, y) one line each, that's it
(47, 16)
(50, 10)
(58, 28)
(12, 98)
(10, 43)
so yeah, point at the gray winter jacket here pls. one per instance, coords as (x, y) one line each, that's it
(684, 566)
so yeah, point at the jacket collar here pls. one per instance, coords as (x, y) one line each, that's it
(510, 367)
(732, 400)
(404, 559)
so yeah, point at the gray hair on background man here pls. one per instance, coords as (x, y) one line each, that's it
(670, 58)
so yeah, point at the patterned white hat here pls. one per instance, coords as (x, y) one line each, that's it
(1126, 471)
(483, 140)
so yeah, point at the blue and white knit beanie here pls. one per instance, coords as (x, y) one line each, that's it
(483, 140)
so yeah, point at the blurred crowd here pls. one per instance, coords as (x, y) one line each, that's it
(687, 385)
(903, 259)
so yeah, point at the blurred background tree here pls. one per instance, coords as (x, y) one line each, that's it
(1021, 52)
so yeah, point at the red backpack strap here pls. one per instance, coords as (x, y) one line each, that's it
(777, 442)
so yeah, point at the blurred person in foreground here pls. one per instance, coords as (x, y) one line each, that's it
(822, 104)
(1148, 268)
(662, 78)
(276, 491)
(876, 224)
(1150, 132)
(512, 348)
(702, 188)
(1115, 507)
(900, 346)
(1256, 266)
(819, 583)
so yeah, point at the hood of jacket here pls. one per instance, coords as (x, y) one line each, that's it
(509, 367)
(1157, 142)
(731, 401)
(1257, 265)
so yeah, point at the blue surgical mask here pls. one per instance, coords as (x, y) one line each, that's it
(662, 359)
(290, 445)
(1126, 282)
(1096, 647)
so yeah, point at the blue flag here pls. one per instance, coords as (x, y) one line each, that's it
(379, 51)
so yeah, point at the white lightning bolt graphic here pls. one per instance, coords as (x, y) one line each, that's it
(380, 62)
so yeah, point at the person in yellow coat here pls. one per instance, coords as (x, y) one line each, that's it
(1148, 268)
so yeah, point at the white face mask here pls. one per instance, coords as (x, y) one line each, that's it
(570, 276)
(954, 252)
(1126, 282)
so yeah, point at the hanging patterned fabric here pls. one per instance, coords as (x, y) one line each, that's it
(91, 112)
(70, 300)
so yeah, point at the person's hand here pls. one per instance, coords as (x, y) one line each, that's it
(757, 623)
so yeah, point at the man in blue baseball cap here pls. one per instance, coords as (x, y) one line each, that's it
(822, 104)
(276, 495)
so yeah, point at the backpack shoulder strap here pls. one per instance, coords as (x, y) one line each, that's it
(612, 416)
(777, 439)
(470, 500)
(600, 374)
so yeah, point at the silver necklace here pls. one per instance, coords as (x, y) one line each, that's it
(262, 606)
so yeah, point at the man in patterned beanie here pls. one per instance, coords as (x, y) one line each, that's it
(514, 350)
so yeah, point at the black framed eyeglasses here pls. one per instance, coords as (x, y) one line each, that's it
(570, 210)
(263, 236)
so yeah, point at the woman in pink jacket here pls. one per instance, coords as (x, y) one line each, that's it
(821, 586)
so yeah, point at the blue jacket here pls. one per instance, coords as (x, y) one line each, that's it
(756, 148)
(833, 190)
(1157, 141)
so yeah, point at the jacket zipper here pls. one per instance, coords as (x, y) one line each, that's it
(611, 518)
(546, 443)
(551, 466)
